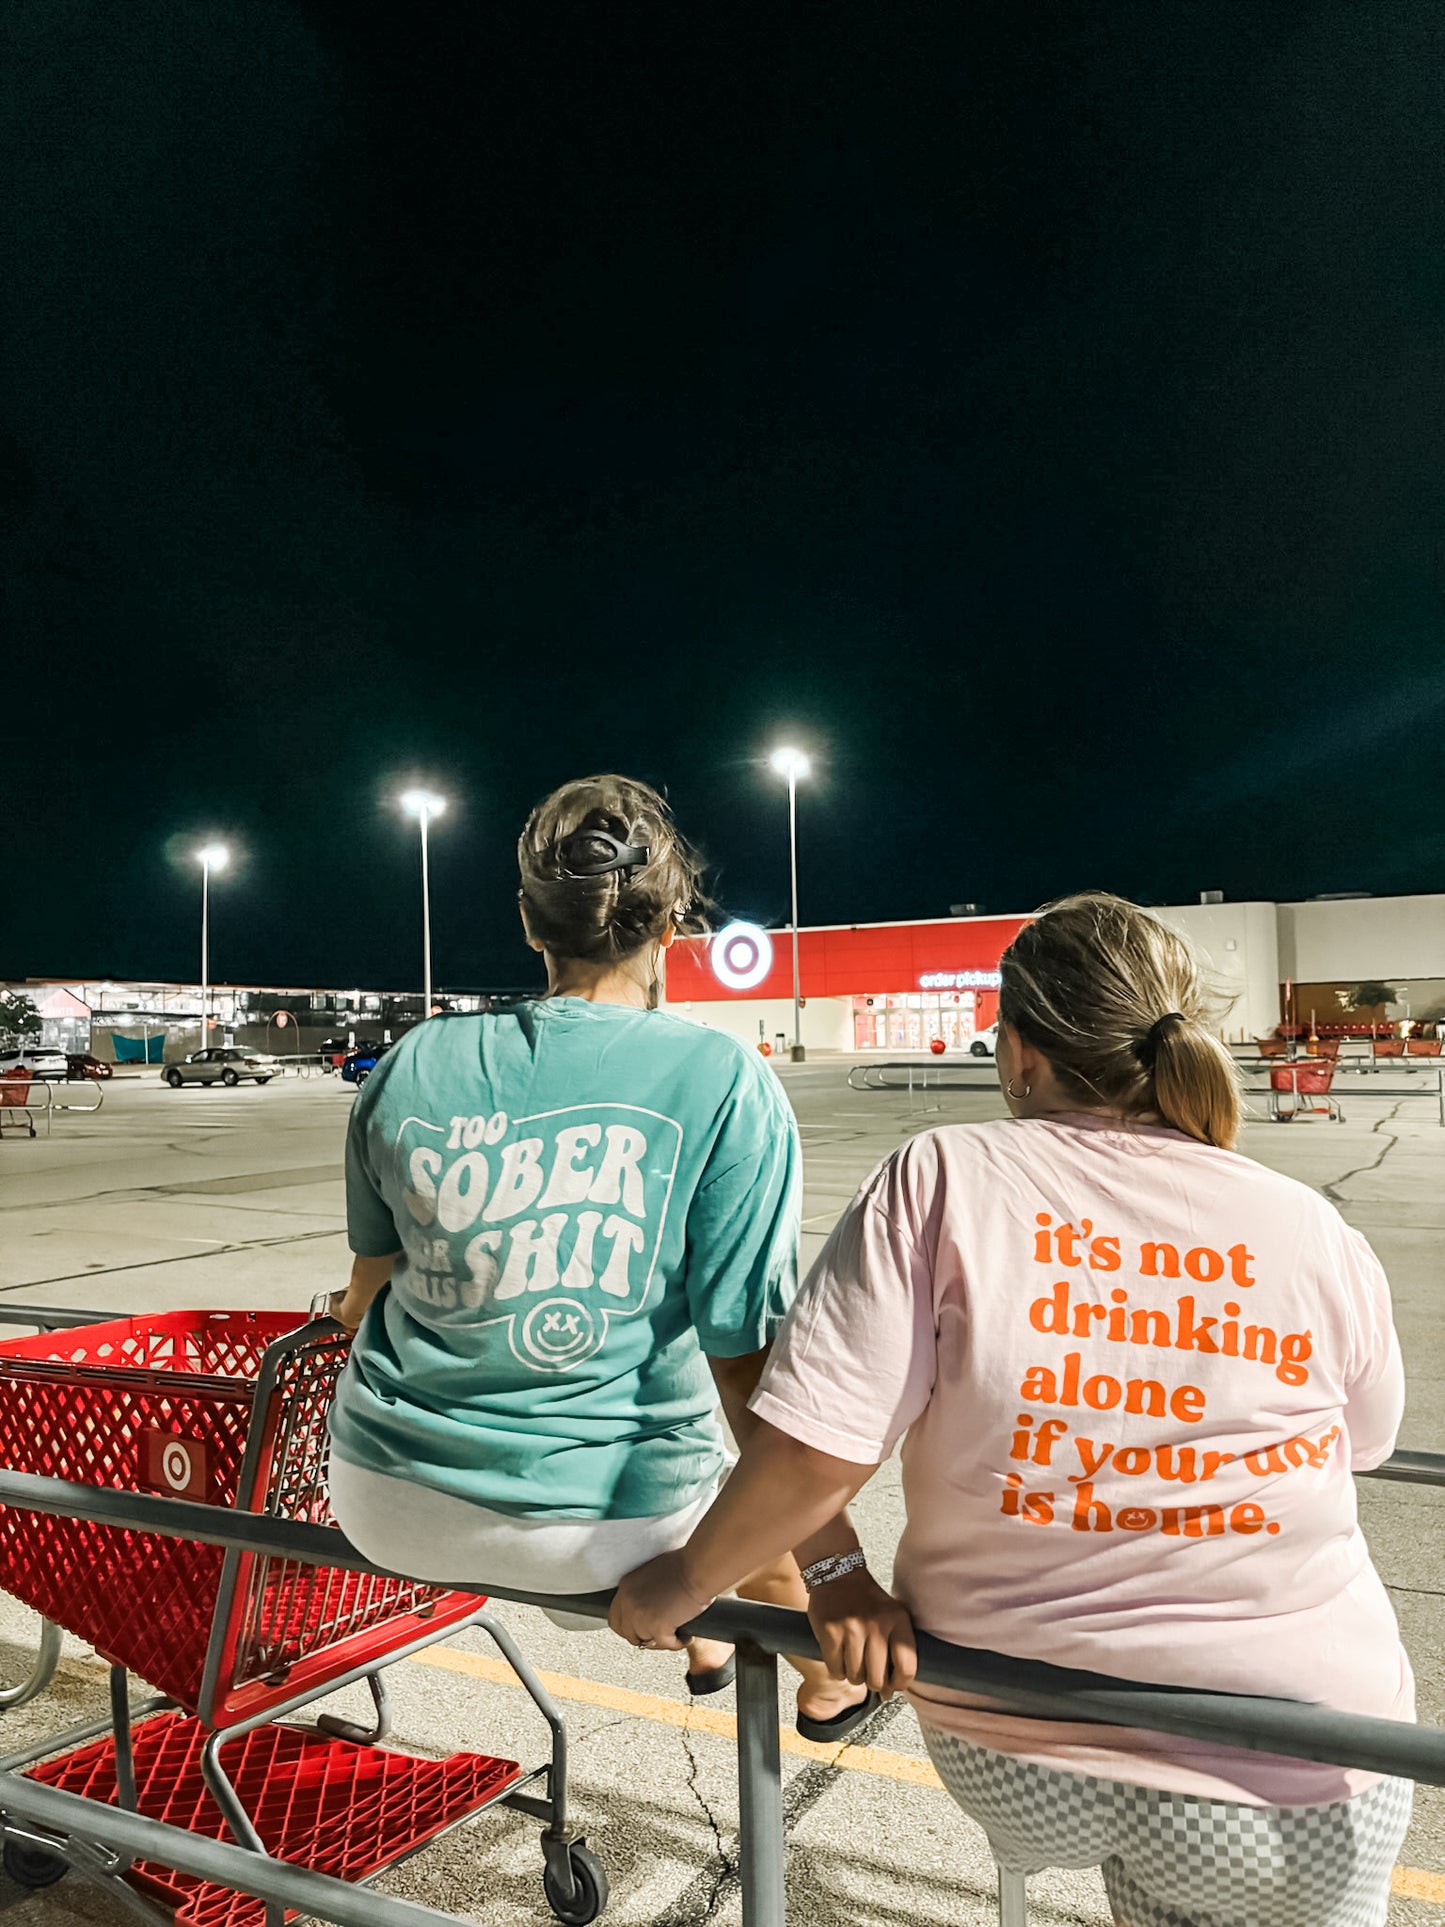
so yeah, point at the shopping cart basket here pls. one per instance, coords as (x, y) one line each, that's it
(230, 1408)
(1305, 1081)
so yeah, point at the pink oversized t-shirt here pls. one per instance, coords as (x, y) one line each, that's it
(1135, 1374)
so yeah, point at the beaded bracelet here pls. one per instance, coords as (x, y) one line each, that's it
(837, 1565)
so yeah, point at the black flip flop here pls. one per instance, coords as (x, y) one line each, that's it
(842, 1725)
(715, 1680)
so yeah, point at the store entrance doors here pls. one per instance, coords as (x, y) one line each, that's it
(913, 1020)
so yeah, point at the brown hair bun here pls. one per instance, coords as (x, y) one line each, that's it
(605, 870)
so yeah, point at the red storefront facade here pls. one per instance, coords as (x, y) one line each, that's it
(905, 983)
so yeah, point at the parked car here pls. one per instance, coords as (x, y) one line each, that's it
(80, 1064)
(984, 1043)
(39, 1059)
(362, 1062)
(227, 1066)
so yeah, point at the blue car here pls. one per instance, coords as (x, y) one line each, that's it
(361, 1062)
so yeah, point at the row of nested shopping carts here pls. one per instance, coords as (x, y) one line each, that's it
(230, 1407)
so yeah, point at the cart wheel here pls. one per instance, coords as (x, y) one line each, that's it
(33, 1867)
(589, 1888)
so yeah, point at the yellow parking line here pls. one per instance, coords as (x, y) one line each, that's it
(697, 1719)
(1415, 1884)
(1412, 1883)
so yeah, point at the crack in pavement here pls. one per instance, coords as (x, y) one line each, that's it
(705, 1893)
(604, 1726)
(1332, 1189)
(809, 1786)
(724, 1869)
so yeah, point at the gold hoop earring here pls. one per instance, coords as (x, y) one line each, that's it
(1017, 1096)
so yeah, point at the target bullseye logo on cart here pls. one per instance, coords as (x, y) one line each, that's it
(741, 955)
(179, 1468)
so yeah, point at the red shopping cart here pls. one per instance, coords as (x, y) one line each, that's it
(229, 1408)
(1305, 1081)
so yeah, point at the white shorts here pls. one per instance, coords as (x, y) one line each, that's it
(426, 1534)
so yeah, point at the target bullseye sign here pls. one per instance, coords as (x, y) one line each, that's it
(741, 955)
(178, 1467)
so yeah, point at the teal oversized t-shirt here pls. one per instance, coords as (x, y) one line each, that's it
(587, 1199)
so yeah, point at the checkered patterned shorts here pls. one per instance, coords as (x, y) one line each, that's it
(1173, 1861)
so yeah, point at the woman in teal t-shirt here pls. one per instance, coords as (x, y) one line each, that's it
(575, 1227)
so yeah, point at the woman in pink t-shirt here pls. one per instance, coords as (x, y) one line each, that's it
(1133, 1373)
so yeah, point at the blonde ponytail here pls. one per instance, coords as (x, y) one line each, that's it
(1119, 1005)
(1196, 1087)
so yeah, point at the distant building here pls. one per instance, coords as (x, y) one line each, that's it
(158, 1022)
(897, 986)
(866, 987)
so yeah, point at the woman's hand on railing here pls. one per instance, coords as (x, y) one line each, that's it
(865, 1635)
(651, 1603)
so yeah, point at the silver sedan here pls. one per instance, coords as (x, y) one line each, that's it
(221, 1067)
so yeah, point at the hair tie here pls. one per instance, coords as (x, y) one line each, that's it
(1147, 1048)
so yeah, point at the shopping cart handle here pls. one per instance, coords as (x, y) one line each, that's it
(321, 1306)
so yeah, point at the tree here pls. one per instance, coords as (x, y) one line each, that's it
(1373, 996)
(19, 1018)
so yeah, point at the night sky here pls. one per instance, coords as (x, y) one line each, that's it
(1037, 411)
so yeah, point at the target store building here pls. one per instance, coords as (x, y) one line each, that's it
(865, 986)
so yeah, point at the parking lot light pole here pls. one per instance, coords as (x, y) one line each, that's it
(792, 763)
(214, 856)
(424, 805)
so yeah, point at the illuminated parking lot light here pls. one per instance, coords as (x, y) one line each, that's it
(791, 763)
(424, 805)
(211, 856)
(741, 955)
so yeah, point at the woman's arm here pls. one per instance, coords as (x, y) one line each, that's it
(783, 1496)
(737, 1380)
(368, 1277)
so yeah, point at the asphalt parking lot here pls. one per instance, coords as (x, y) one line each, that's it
(213, 1197)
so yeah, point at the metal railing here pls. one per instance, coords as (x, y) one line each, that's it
(760, 1634)
(31, 1100)
(925, 1073)
(921, 1075)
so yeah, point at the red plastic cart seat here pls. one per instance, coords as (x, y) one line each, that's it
(327, 1804)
